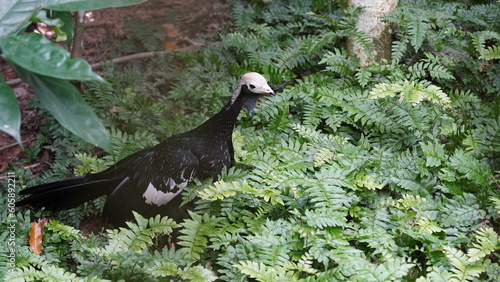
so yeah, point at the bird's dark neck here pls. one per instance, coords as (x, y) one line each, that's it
(222, 123)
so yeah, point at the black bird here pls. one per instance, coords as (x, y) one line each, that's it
(150, 181)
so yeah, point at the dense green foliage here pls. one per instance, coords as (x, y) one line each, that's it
(383, 173)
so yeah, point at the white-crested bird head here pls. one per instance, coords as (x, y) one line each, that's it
(255, 83)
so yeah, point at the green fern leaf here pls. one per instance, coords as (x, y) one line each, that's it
(161, 225)
(163, 269)
(90, 164)
(363, 76)
(324, 217)
(338, 62)
(491, 53)
(398, 50)
(471, 168)
(462, 269)
(389, 271)
(417, 29)
(197, 274)
(63, 231)
(488, 242)
(479, 41)
(411, 92)
(496, 202)
(428, 225)
(434, 153)
(221, 189)
(194, 234)
(256, 270)
(461, 211)
(436, 274)
(364, 180)
(328, 191)
(47, 273)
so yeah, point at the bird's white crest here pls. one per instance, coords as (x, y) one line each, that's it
(255, 82)
(154, 196)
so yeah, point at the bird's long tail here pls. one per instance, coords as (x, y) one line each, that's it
(66, 193)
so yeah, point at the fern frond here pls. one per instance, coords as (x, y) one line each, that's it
(138, 236)
(194, 234)
(197, 273)
(428, 225)
(161, 225)
(496, 202)
(328, 191)
(323, 155)
(163, 269)
(63, 231)
(436, 274)
(371, 116)
(190, 273)
(256, 270)
(262, 272)
(434, 153)
(243, 15)
(485, 138)
(488, 242)
(435, 70)
(491, 53)
(479, 42)
(392, 270)
(363, 76)
(471, 168)
(47, 273)
(221, 190)
(398, 50)
(293, 56)
(324, 217)
(463, 269)
(337, 61)
(417, 30)
(461, 209)
(364, 180)
(90, 164)
(411, 92)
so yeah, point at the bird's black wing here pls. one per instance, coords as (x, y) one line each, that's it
(153, 183)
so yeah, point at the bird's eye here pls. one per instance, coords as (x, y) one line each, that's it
(251, 86)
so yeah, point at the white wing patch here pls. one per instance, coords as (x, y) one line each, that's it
(154, 196)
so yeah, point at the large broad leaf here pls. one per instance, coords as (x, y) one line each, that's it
(34, 52)
(84, 5)
(66, 104)
(10, 119)
(14, 14)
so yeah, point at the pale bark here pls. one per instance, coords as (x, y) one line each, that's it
(370, 22)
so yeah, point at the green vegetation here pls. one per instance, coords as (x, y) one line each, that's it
(383, 173)
(46, 66)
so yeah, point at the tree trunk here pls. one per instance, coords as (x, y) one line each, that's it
(369, 22)
(77, 46)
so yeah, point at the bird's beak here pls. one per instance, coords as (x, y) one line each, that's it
(269, 92)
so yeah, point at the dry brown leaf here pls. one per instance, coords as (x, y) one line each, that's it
(171, 32)
(36, 236)
(171, 46)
